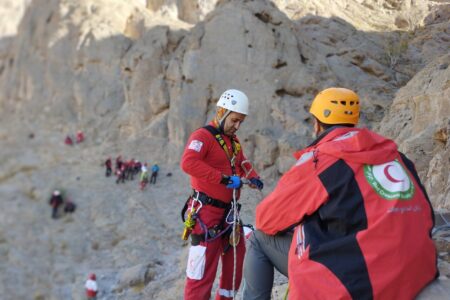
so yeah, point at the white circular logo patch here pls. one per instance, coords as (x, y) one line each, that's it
(390, 180)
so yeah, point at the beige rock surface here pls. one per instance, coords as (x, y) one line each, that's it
(11, 12)
(419, 121)
(139, 76)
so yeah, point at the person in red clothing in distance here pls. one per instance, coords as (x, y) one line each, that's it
(214, 159)
(91, 287)
(349, 220)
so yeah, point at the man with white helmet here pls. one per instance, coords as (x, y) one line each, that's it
(362, 218)
(214, 159)
(55, 201)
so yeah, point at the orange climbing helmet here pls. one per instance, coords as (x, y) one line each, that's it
(336, 106)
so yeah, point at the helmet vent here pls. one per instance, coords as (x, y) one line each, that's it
(234, 100)
(336, 106)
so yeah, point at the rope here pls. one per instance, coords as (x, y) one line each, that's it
(442, 227)
(443, 218)
(286, 293)
(247, 171)
(205, 229)
(234, 242)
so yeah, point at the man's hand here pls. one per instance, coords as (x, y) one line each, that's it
(234, 182)
(256, 183)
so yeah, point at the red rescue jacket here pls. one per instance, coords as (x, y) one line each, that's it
(205, 161)
(363, 220)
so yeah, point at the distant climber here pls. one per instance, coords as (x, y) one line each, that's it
(108, 165)
(155, 170)
(213, 158)
(118, 163)
(137, 166)
(129, 169)
(55, 201)
(91, 287)
(144, 178)
(68, 141)
(79, 136)
(121, 174)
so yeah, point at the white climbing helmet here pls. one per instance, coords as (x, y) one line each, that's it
(234, 100)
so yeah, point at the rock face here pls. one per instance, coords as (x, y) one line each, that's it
(419, 120)
(101, 65)
(11, 11)
(139, 76)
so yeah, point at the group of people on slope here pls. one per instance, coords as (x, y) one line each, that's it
(350, 219)
(79, 138)
(127, 169)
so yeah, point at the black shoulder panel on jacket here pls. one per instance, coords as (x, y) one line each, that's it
(331, 231)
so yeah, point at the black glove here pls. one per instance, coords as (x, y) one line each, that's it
(225, 179)
(257, 182)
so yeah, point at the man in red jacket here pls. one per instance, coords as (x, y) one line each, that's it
(362, 218)
(214, 159)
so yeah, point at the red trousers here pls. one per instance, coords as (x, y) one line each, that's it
(200, 289)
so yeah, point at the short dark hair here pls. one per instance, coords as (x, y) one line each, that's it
(327, 126)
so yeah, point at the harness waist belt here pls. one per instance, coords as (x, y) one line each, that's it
(205, 199)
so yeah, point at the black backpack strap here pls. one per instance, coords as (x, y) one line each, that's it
(216, 133)
(235, 145)
(213, 130)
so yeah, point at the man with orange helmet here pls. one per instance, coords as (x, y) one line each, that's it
(213, 158)
(350, 220)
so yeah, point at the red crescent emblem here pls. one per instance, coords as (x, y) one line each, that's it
(389, 176)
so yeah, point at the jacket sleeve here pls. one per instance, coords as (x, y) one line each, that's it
(298, 193)
(193, 158)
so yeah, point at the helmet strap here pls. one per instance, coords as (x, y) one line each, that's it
(221, 121)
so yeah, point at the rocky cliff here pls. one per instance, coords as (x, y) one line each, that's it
(139, 76)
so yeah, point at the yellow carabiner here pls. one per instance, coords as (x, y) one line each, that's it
(188, 225)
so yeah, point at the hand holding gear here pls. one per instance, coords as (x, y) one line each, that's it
(256, 183)
(234, 182)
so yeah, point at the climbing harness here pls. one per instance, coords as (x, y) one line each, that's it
(193, 217)
(234, 145)
(206, 200)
